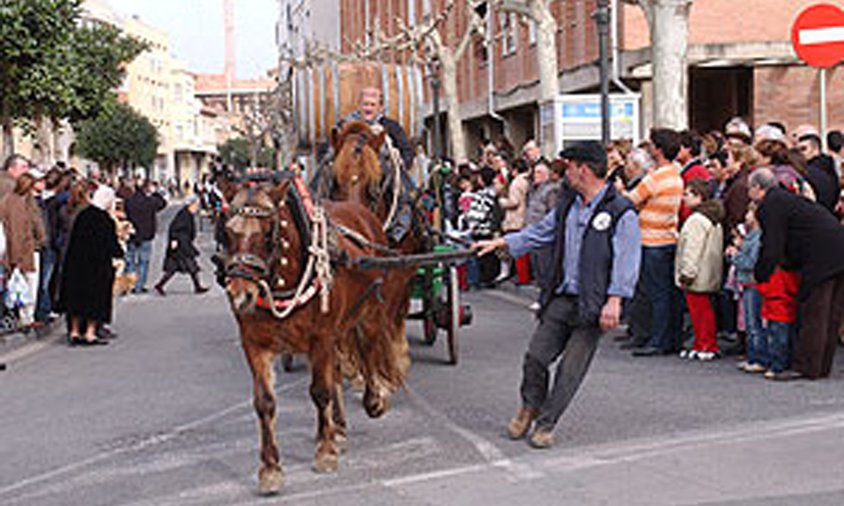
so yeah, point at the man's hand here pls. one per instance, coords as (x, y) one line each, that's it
(611, 313)
(484, 247)
(174, 244)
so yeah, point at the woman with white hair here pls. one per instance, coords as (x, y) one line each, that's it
(87, 275)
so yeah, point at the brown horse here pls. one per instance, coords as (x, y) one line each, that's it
(270, 239)
(357, 177)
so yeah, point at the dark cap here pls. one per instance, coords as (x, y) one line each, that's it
(591, 152)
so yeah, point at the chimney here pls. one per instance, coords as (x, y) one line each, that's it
(230, 63)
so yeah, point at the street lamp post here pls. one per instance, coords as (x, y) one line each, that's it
(435, 99)
(602, 18)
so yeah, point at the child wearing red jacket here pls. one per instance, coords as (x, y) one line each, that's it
(779, 310)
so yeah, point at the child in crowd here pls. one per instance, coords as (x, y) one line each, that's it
(743, 255)
(779, 310)
(699, 265)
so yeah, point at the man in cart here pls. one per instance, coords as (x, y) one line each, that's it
(396, 151)
(595, 235)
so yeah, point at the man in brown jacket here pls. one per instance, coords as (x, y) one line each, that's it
(13, 168)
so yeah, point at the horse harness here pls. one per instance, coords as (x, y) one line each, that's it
(320, 250)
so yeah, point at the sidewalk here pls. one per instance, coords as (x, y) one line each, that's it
(18, 345)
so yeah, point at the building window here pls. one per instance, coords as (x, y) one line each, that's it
(509, 25)
(177, 92)
(366, 25)
(531, 32)
(411, 12)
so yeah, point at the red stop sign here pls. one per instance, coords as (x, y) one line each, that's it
(818, 35)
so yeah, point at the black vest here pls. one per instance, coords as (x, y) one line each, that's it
(596, 252)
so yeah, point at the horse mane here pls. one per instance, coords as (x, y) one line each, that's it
(349, 164)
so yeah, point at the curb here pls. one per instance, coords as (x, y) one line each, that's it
(16, 346)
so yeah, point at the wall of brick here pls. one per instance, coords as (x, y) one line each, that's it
(723, 21)
(791, 95)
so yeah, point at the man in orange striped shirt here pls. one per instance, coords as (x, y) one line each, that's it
(658, 197)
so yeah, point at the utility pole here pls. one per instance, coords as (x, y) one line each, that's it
(602, 19)
(230, 62)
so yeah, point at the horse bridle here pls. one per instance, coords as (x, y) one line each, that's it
(254, 268)
(247, 265)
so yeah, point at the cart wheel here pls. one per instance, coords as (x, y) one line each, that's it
(453, 304)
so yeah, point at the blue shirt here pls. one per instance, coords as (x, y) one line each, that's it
(626, 244)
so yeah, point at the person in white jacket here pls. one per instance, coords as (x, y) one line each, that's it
(698, 267)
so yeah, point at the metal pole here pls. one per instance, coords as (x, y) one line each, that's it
(435, 86)
(824, 118)
(602, 20)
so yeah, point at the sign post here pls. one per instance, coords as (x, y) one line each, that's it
(818, 39)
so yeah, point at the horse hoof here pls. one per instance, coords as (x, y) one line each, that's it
(342, 442)
(270, 481)
(375, 406)
(325, 463)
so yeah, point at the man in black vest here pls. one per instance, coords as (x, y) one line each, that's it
(595, 235)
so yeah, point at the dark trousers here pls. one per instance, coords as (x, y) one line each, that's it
(665, 297)
(820, 317)
(560, 332)
(638, 312)
(542, 261)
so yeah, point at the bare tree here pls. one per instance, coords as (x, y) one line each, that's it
(539, 13)
(669, 27)
(427, 44)
(267, 118)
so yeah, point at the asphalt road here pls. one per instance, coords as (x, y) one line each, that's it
(163, 416)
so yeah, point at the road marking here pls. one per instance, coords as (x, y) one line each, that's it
(493, 456)
(145, 443)
(829, 35)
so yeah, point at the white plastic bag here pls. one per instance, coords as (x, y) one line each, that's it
(2, 240)
(17, 291)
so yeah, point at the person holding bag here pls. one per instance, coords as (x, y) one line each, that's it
(25, 236)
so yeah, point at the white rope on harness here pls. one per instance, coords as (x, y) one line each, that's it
(319, 251)
(319, 259)
(398, 165)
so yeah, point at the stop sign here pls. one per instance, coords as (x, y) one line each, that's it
(818, 35)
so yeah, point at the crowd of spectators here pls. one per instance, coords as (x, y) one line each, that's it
(71, 242)
(741, 238)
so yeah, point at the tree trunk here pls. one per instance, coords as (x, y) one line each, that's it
(457, 143)
(44, 137)
(669, 43)
(8, 135)
(546, 58)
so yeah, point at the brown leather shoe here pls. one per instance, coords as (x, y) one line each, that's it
(520, 425)
(542, 438)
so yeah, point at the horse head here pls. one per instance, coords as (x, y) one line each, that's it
(357, 168)
(263, 243)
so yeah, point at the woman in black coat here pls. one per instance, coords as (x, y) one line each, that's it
(87, 275)
(181, 253)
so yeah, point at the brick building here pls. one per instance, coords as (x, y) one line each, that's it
(740, 62)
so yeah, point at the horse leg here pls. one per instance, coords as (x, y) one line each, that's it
(341, 437)
(270, 475)
(322, 393)
(380, 359)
